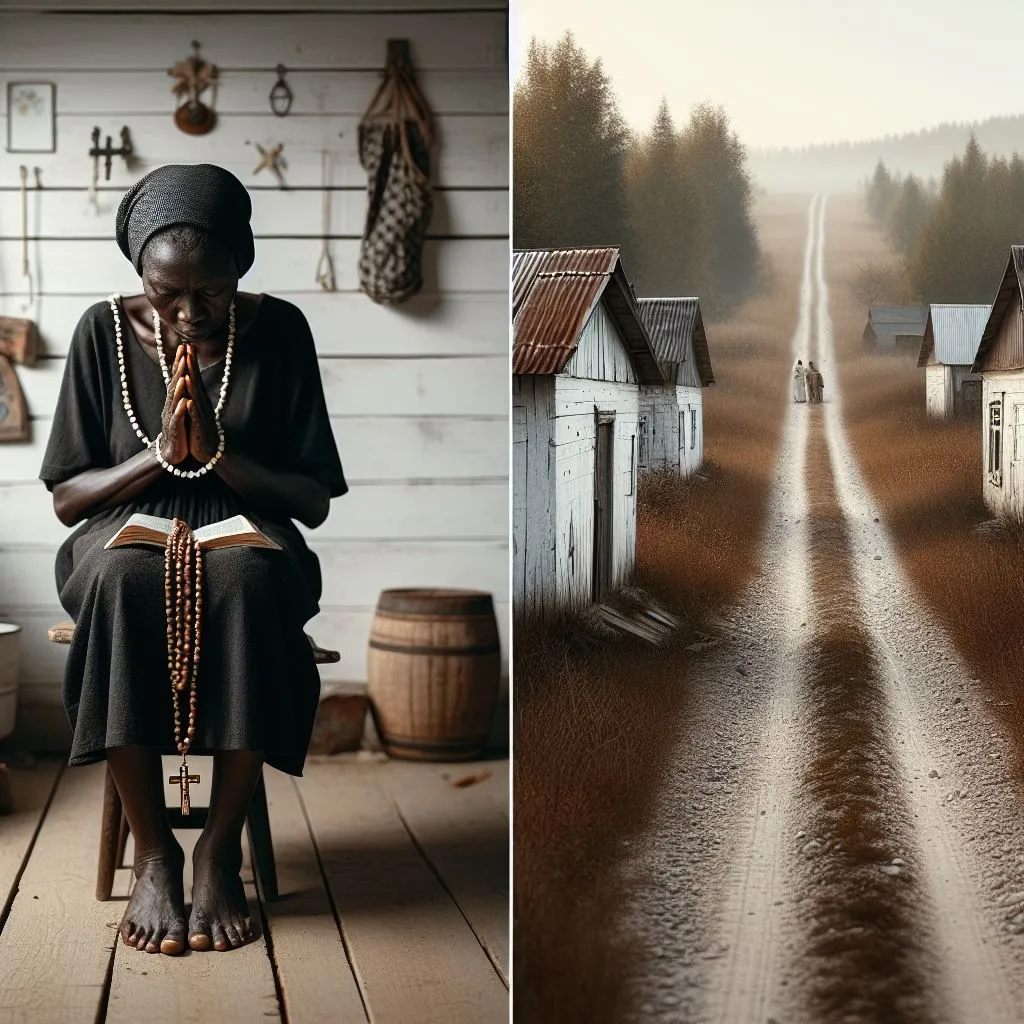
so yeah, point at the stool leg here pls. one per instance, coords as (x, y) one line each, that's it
(110, 828)
(257, 824)
(122, 841)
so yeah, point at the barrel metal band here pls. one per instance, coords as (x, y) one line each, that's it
(380, 645)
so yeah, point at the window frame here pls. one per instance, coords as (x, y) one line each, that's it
(995, 441)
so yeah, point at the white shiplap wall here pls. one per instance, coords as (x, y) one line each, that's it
(418, 394)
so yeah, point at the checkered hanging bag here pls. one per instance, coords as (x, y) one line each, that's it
(395, 137)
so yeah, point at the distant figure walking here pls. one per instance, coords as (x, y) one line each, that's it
(815, 384)
(799, 382)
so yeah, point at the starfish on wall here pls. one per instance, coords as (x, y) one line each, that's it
(273, 161)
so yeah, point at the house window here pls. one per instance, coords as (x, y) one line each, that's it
(632, 464)
(693, 428)
(643, 454)
(682, 427)
(995, 442)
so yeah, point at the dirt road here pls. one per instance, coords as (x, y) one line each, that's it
(840, 838)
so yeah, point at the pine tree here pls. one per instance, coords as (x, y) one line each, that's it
(569, 151)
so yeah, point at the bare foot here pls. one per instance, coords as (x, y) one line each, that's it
(220, 912)
(155, 917)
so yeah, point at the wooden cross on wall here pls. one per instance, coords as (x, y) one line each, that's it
(183, 779)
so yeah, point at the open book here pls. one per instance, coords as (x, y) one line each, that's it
(228, 533)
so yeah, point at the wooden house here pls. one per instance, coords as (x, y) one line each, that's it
(580, 353)
(948, 348)
(895, 330)
(418, 396)
(671, 414)
(1000, 361)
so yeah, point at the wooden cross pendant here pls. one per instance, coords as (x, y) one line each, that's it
(183, 779)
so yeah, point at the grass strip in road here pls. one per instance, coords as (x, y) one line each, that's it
(862, 918)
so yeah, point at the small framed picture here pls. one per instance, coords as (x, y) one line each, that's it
(31, 117)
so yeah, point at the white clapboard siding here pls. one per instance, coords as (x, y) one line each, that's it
(342, 323)
(417, 394)
(374, 449)
(439, 39)
(336, 628)
(103, 92)
(475, 386)
(354, 572)
(94, 266)
(68, 213)
(409, 511)
(471, 151)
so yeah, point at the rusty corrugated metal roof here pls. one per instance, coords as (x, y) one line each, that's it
(1011, 287)
(554, 292)
(677, 329)
(952, 333)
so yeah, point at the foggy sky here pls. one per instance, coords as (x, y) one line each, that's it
(792, 72)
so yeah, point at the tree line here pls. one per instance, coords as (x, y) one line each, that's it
(676, 200)
(954, 237)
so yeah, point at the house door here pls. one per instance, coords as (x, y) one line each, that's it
(604, 505)
(1017, 455)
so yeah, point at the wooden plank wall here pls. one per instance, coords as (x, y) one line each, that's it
(691, 402)
(659, 404)
(418, 394)
(575, 439)
(533, 509)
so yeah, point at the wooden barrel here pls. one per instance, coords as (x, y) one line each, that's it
(433, 669)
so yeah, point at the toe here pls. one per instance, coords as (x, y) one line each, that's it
(175, 941)
(220, 940)
(199, 941)
(233, 934)
(140, 939)
(128, 933)
(172, 945)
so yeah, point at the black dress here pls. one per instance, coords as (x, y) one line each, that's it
(258, 685)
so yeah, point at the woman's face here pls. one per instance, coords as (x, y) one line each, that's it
(191, 291)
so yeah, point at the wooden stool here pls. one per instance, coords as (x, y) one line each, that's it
(114, 826)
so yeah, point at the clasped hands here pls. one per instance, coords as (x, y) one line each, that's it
(188, 423)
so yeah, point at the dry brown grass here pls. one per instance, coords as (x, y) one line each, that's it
(594, 730)
(927, 478)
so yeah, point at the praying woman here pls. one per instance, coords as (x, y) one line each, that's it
(191, 401)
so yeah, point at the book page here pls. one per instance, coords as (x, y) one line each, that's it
(236, 526)
(157, 523)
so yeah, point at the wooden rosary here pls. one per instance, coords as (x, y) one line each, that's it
(183, 598)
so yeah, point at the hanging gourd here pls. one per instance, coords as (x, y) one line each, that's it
(395, 138)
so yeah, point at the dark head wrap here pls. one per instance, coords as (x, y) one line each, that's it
(203, 195)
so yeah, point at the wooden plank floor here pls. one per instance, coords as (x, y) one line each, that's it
(393, 905)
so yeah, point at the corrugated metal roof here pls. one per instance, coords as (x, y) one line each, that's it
(952, 334)
(554, 291)
(677, 328)
(525, 265)
(1011, 287)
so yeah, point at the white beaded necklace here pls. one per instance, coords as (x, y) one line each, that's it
(154, 445)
